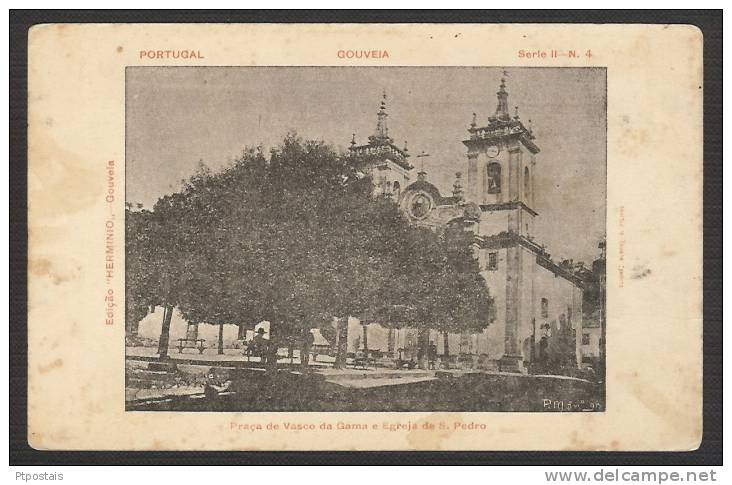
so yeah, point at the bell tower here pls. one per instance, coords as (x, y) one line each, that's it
(501, 162)
(387, 164)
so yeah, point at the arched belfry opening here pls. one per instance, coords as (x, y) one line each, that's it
(493, 178)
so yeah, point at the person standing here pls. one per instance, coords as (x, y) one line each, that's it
(260, 345)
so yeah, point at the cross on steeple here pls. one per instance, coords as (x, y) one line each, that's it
(421, 175)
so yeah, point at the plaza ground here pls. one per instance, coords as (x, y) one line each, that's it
(323, 388)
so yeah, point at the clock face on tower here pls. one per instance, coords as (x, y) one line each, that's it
(420, 205)
(493, 151)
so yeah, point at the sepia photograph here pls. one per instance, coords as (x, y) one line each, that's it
(365, 239)
(258, 242)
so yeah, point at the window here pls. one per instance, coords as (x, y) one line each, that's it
(544, 308)
(397, 189)
(492, 261)
(585, 339)
(527, 183)
(493, 178)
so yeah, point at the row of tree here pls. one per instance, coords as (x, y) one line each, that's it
(297, 239)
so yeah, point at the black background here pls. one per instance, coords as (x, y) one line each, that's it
(710, 451)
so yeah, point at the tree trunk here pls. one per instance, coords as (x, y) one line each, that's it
(221, 339)
(423, 342)
(242, 335)
(337, 343)
(366, 338)
(305, 352)
(165, 332)
(341, 343)
(271, 351)
(446, 343)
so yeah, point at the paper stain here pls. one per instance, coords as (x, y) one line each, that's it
(434, 438)
(640, 271)
(576, 442)
(43, 369)
(657, 401)
(60, 182)
(44, 268)
(632, 139)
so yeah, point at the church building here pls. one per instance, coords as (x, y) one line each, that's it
(537, 315)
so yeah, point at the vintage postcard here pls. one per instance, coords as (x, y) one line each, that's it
(365, 237)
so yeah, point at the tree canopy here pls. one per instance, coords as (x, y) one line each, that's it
(298, 239)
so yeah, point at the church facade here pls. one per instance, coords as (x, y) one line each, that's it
(537, 317)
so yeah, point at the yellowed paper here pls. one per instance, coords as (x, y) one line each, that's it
(97, 95)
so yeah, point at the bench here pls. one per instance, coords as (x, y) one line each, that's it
(184, 343)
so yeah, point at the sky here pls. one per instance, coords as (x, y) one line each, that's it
(180, 116)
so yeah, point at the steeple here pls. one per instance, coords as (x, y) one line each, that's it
(500, 126)
(380, 145)
(494, 156)
(502, 94)
(382, 130)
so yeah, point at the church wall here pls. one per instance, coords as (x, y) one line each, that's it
(493, 222)
(534, 283)
(515, 174)
(592, 348)
(492, 340)
(498, 221)
(561, 295)
(577, 297)
(529, 312)
(531, 165)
